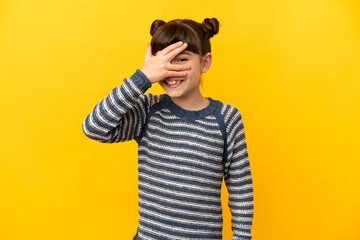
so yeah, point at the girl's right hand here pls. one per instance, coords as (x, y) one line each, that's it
(158, 68)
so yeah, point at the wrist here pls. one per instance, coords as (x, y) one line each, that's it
(147, 75)
(141, 80)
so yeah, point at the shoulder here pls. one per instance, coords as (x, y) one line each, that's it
(229, 113)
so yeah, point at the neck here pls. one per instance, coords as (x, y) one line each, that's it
(193, 103)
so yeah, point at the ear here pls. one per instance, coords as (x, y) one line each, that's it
(206, 62)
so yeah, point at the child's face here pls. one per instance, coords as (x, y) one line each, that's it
(186, 86)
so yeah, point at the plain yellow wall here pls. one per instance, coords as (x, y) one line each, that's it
(292, 68)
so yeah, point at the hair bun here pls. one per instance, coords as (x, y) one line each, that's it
(211, 26)
(155, 26)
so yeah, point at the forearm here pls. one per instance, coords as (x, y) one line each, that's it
(106, 121)
(241, 204)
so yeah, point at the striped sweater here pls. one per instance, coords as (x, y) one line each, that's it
(183, 157)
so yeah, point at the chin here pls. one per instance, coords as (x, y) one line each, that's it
(173, 94)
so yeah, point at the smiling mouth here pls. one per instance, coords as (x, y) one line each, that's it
(172, 82)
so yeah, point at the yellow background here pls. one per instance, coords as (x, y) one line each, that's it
(292, 68)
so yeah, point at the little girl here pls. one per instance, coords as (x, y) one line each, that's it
(187, 143)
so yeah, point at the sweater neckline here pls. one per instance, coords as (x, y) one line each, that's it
(190, 114)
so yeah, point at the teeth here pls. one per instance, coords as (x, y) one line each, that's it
(174, 82)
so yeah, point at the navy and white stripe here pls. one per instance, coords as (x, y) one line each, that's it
(183, 157)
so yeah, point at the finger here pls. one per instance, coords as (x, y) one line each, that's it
(170, 56)
(171, 47)
(148, 51)
(176, 74)
(177, 67)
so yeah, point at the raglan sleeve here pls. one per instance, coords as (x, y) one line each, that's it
(121, 115)
(238, 179)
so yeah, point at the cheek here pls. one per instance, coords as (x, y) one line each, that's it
(196, 73)
(195, 69)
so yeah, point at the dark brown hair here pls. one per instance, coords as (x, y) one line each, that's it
(196, 35)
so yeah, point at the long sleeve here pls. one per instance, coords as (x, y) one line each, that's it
(121, 115)
(237, 176)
